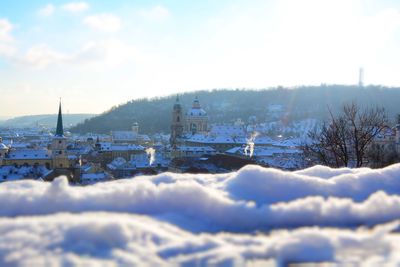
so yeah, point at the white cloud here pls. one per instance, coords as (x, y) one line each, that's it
(103, 22)
(76, 7)
(103, 54)
(112, 52)
(155, 13)
(47, 10)
(5, 30)
(40, 56)
(7, 47)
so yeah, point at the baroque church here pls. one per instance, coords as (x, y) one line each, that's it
(186, 125)
(193, 121)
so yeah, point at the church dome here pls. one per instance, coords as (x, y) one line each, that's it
(196, 109)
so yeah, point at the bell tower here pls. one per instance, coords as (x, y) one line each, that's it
(59, 145)
(177, 123)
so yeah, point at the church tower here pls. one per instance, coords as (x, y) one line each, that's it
(59, 145)
(177, 123)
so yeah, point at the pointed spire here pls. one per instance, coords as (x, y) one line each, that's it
(59, 130)
(177, 105)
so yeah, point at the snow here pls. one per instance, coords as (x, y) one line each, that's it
(108, 146)
(196, 112)
(271, 185)
(8, 172)
(252, 216)
(29, 154)
(110, 239)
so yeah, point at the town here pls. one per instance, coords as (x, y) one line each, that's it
(200, 133)
(193, 146)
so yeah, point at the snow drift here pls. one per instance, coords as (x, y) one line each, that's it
(254, 198)
(169, 218)
(129, 240)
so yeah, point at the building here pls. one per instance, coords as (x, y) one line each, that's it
(59, 145)
(138, 164)
(183, 151)
(28, 157)
(196, 121)
(52, 160)
(107, 151)
(177, 124)
(93, 173)
(130, 137)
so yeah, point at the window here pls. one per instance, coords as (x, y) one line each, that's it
(177, 119)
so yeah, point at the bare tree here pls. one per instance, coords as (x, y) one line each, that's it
(382, 155)
(344, 140)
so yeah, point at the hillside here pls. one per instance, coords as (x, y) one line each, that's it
(48, 120)
(154, 115)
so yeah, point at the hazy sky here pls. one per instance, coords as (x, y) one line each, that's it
(96, 54)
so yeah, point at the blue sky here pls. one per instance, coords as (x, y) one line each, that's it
(96, 54)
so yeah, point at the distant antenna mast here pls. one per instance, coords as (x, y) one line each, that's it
(361, 78)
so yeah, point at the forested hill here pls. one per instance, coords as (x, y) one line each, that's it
(47, 120)
(154, 115)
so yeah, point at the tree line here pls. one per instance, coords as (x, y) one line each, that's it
(222, 105)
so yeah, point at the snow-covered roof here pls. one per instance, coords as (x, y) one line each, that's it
(234, 150)
(198, 149)
(116, 147)
(3, 146)
(129, 136)
(19, 145)
(29, 154)
(97, 176)
(138, 161)
(264, 151)
(386, 132)
(118, 161)
(107, 146)
(200, 138)
(11, 173)
(196, 112)
(124, 135)
(227, 129)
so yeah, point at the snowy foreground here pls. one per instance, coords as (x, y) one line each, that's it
(255, 216)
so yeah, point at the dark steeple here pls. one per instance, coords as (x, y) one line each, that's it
(177, 105)
(59, 130)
